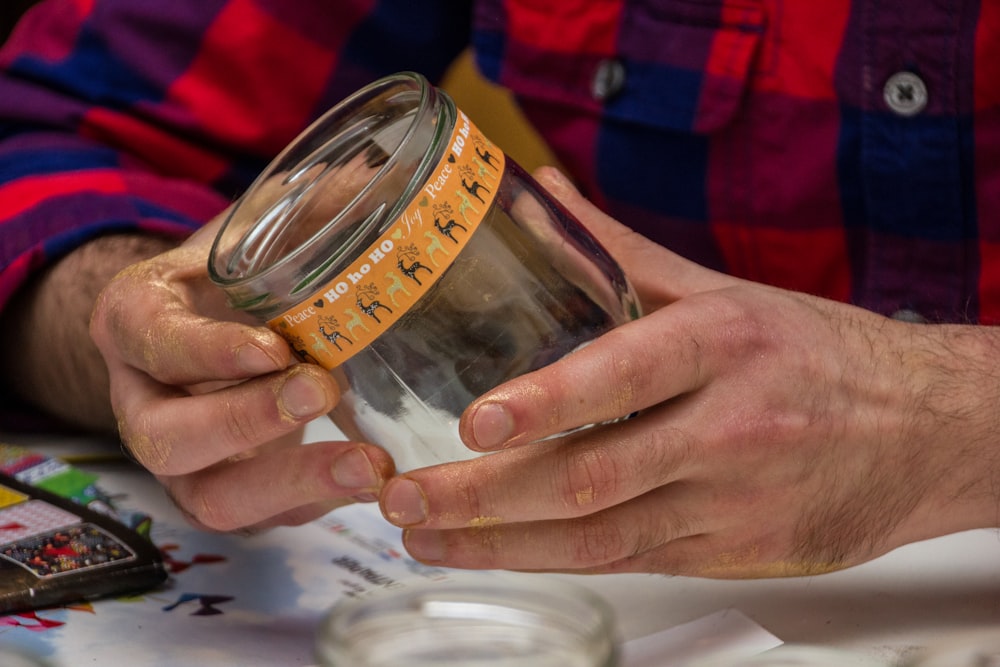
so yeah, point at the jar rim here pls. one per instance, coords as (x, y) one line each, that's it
(231, 262)
(514, 606)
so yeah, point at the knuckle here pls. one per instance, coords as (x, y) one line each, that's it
(597, 541)
(590, 477)
(490, 549)
(154, 454)
(152, 338)
(111, 315)
(625, 372)
(206, 509)
(240, 427)
(472, 496)
(740, 330)
(665, 449)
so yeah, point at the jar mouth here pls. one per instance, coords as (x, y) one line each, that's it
(506, 621)
(330, 190)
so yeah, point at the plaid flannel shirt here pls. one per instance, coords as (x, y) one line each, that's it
(849, 149)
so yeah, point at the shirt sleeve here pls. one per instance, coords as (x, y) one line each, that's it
(125, 115)
(78, 123)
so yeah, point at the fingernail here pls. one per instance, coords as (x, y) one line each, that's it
(403, 502)
(353, 470)
(302, 396)
(557, 182)
(254, 360)
(492, 425)
(555, 175)
(425, 545)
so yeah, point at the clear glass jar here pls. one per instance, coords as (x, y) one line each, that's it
(972, 648)
(13, 657)
(395, 245)
(793, 655)
(472, 623)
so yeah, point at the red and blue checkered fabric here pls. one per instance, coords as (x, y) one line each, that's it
(751, 135)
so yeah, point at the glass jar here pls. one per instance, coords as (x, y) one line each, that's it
(793, 655)
(13, 657)
(396, 246)
(970, 648)
(472, 622)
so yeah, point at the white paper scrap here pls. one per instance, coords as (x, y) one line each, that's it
(726, 634)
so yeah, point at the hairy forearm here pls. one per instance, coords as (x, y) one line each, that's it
(955, 418)
(47, 357)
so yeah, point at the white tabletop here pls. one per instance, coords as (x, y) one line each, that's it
(912, 597)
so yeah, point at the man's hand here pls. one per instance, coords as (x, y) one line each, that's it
(215, 407)
(777, 434)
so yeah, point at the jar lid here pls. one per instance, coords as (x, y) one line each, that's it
(793, 655)
(490, 620)
(970, 648)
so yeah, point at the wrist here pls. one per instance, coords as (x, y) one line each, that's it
(956, 422)
(46, 355)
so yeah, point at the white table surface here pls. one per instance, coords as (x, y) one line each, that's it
(912, 597)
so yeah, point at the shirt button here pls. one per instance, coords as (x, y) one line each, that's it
(609, 80)
(905, 93)
(907, 315)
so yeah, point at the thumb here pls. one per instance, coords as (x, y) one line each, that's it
(658, 275)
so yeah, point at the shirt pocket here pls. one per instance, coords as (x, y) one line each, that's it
(680, 65)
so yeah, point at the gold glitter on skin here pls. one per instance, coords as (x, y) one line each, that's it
(484, 521)
(586, 497)
(491, 540)
(149, 453)
(778, 570)
(457, 476)
(744, 564)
